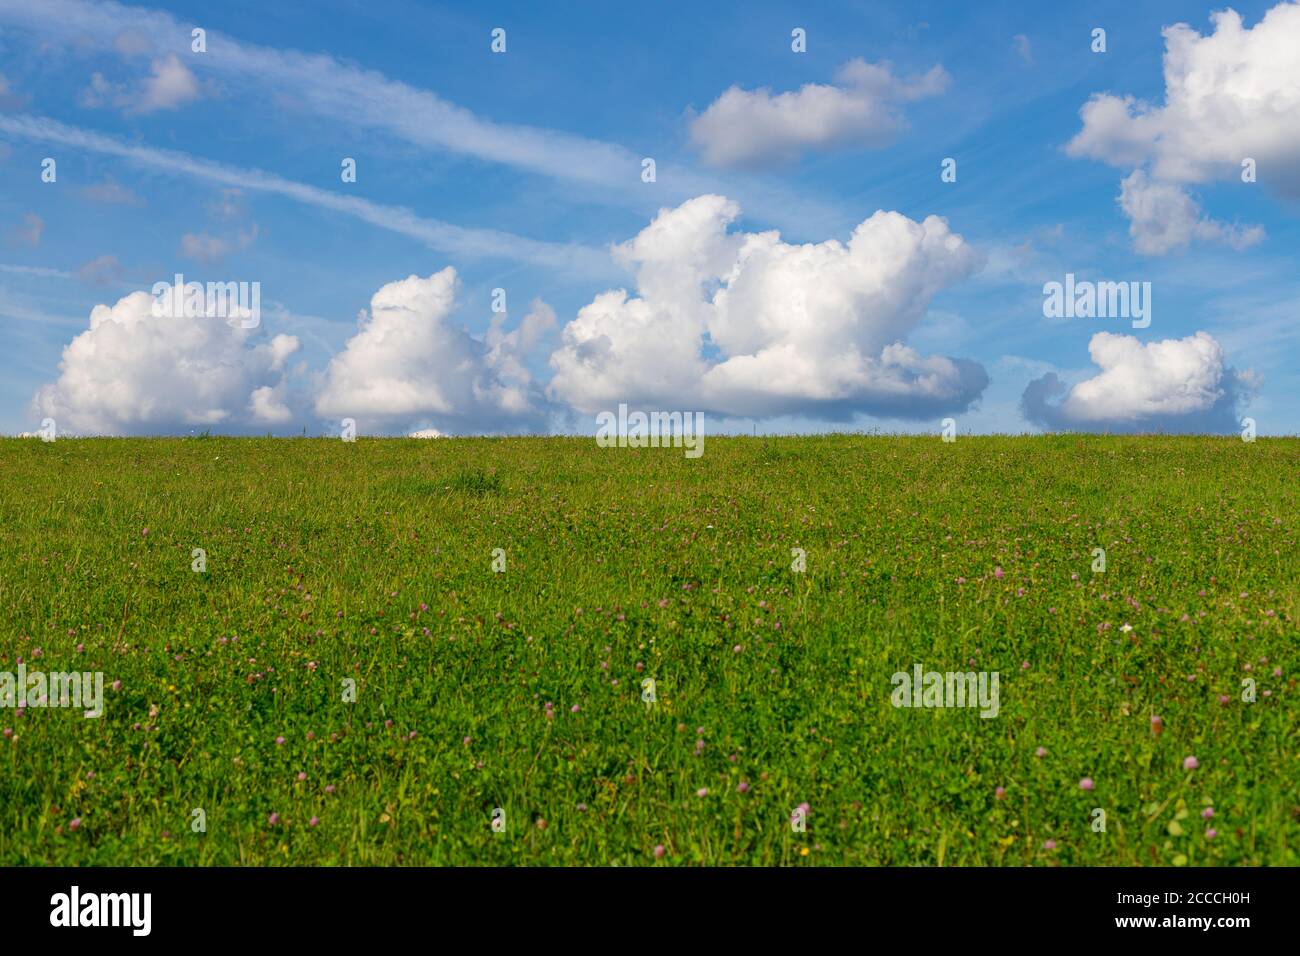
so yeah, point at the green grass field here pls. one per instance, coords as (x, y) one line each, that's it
(372, 561)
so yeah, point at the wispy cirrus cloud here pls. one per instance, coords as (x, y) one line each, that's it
(29, 232)
(110, 193)
(441, 236)
(354, 97)
(328, 87)
(8, 99)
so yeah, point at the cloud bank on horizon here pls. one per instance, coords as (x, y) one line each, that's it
(744, 271)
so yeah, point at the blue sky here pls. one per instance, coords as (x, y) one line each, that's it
(520, 170)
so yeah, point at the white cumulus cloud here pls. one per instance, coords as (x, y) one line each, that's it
(1163, 217)
(168, 85)
(1181, 385)
(133, 372)
(747, 325)
(1230, 96)
(410, 366)
(755, 127)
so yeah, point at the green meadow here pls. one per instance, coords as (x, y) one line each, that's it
(356, 675)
